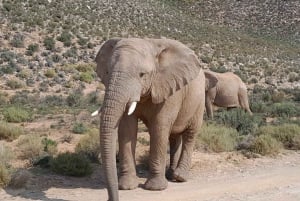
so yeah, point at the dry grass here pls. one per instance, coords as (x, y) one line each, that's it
(287, 134)
(6, 155)
(89, 145)
(217, 138)
(266, 145)
(30, 147)
(9, 131)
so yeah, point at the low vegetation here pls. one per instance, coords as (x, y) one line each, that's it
(265, 140)
(71, 164)
(89, 145)
(217, 138)
(287, 134)
(31, 147)
(6, 155)
(16, 114)
(79, 128)
(265, 145)
(9, 131)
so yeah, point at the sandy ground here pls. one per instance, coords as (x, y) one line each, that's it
(214, 177)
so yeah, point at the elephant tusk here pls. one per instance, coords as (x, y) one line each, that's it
(132, 108)
(96, 112)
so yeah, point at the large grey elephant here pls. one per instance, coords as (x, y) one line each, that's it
(159, 81)
(229, 91)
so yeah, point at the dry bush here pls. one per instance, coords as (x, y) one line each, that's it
(4, 176)
(287, 134)
(89, 145)
(266, 145)
(9, 131)
(72, 164)
(217, 138)
(31, 147)
(6, 155)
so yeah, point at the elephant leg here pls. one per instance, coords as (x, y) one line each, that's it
(243, 100)
(127, 144)
(181, 172)
(175, 151)
(157, 161)
(209, 108)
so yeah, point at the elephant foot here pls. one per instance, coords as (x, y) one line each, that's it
(157, 183)
(128, 182)
(180, 175)
(169, 174)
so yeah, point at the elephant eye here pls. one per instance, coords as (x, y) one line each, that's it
(142, 74)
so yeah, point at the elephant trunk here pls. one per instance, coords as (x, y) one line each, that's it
(114, 104)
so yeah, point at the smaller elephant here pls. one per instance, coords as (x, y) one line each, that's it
(225, 90)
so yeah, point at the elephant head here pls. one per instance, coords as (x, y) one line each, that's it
(134, 70)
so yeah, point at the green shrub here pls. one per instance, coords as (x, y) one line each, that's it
(74, 99)
(53, 100)
(65, 37)
(50, 73)
(7, 56)
(79, 128)
(287, 134)
(32, 48)
(24, 98)
(15, 84)
(259, 107)
(70, 53)
(217, 138)
(89, 145)
(56, 58)
(83, 67)
(265, 145)
(86, 77)
(50, 146)
(285, 109)
(49, 43)
(82, 41)
(18, 40)
(278, 97)
(9, 132)
(243, 122)
(25, 73)
(16, 114)
(71, 164)
(31, 147)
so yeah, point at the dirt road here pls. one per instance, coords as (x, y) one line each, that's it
(215, 177)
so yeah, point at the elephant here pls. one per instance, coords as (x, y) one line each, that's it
(162, 83)
(228, 91)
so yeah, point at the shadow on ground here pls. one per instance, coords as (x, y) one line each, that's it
(43, 179)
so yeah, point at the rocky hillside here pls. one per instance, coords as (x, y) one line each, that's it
(42, 42)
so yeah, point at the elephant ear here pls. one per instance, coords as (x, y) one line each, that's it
(211, 80)
(177, 65)
(103, 58)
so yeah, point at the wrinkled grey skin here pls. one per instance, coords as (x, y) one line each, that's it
(165, 78)
(228, 91)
